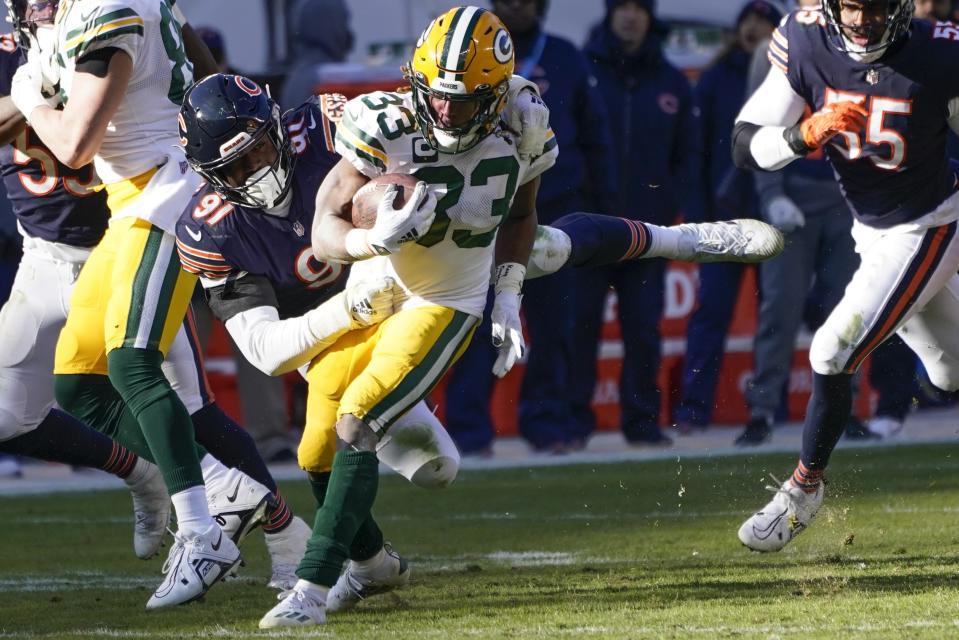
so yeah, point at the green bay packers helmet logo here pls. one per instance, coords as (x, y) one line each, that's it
(502, 47)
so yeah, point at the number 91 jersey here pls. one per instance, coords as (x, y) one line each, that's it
(450, 265)
(895, 170)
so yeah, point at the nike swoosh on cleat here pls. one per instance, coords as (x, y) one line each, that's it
(765, 532)
(236, 492)
(219, 541)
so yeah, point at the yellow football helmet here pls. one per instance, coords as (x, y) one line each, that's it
(464, 55)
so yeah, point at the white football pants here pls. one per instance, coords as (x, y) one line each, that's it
(906, 283)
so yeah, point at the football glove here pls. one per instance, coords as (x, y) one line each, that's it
(834, 119)
(29, 90)
(395, 227)
(369, 302)
(528, 116)
(507, 331)
(782, 213)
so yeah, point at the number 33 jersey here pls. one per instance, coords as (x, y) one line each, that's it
(450, 265)
(895, 170)
(142, 132)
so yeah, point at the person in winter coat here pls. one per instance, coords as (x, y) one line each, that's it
(658, 154)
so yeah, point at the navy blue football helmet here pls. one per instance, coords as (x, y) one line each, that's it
(896, 24)
(225, 117)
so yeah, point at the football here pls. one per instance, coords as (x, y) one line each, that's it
(368, 198)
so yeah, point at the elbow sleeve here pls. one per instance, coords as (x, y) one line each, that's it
(743, 133)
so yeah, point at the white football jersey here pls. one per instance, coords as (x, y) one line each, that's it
(449, 266)
(143, 132)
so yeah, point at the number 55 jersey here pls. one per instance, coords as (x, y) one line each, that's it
(896, 170)
(450, 265)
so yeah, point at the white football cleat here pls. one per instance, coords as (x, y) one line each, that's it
(238, 503)
(286, 550)
(885, 426)
(297, 608)
(743, 240)
(785, 517)
(357, 584)
(194, 565)
(151, 508)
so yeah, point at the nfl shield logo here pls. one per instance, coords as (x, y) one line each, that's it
(872, 76)
(298, 229)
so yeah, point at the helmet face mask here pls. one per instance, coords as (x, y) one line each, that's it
(464, 55)
(228, 122)
(878, 36)
(30, 16)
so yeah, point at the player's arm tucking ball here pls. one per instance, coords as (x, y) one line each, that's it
(336, 239)
(514, 242)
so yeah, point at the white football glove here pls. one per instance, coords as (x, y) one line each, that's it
(782, 213)
(507, 326)
(369, 302)
(528, 116)
(28, 90)
(395, 227)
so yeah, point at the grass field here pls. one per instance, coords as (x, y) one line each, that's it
(641, 550)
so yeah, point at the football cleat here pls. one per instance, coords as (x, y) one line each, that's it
(194, 565)
(758, 430)
(785, 517)
(297, 608)
(238, 503)
(729, 241)
(885, 426)
(151, 508)
(286, 549)
(357, 584)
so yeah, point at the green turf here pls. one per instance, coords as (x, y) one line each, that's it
(641, 550)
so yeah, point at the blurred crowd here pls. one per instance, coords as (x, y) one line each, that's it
(639, 139)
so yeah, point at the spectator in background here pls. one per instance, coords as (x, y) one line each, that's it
(319, 34)
(213, 40)
(581, 180)
(934, 9)
(658, 153)
(805, 203)
(730, 193)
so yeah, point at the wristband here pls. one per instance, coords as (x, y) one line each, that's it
(794, 138)
(509, 278)
(358, 246)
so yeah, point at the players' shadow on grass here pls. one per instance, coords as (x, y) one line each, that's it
(531, 587)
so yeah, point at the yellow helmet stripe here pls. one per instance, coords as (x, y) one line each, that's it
(457, 40)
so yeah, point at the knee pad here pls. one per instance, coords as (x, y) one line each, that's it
(551, 250)
(419, 449)
(826, 354)
(19, 326)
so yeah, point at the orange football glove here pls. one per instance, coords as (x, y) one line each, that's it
(836, 118)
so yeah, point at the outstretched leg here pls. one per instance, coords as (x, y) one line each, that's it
(592, 240)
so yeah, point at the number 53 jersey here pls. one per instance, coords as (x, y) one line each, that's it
(895, 170)
(450, 265)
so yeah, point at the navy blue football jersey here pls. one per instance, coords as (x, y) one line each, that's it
(51, 200)
(221, 241)
(895, 170)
